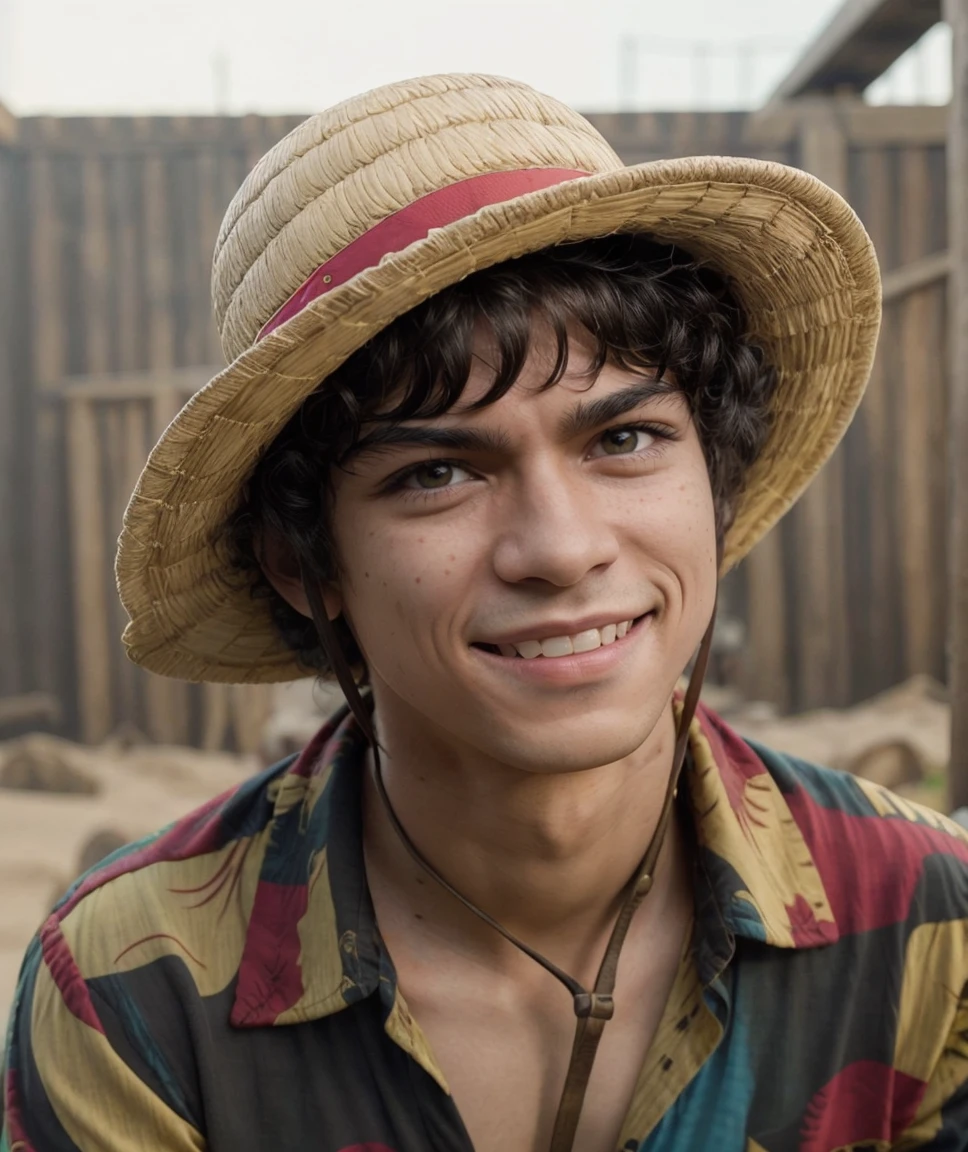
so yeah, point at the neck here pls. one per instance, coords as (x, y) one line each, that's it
(546, 855)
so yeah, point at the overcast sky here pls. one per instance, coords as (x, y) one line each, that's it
(199, 56)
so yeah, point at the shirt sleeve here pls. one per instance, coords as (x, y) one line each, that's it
(66, 1088)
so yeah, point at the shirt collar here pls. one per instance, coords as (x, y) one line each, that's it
(761, 874)
(312, 945)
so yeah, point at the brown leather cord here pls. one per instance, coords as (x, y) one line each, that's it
(591, 1024)
(593, 1009)
(333, 649)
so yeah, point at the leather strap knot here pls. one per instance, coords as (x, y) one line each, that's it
(643, 886)
(595, 1005)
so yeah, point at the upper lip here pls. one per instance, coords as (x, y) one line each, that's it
(549, 628)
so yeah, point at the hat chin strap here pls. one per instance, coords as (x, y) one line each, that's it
(593, 1009)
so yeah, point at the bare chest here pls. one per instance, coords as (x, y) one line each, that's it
(505, 1051)
(506, 1076)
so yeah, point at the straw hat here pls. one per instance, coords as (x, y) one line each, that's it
(364, 211)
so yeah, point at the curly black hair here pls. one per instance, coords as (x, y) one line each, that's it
(645, 306)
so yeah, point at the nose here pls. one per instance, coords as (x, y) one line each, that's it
(554, 527)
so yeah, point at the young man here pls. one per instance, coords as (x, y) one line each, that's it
(499, 412)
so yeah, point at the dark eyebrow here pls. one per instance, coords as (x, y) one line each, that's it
(388, 436)
(583, 417)
(588, 415)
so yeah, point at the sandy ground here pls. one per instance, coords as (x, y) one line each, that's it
(915, 713)
(142, 789)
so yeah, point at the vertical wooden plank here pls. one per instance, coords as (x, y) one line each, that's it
(94, 308)
(115, 428)
(857, 518)
(822, 625)
(684, 129)
(254, 135)
(137, 437)
(95, 256)
(880, 646)
(158, 266)
(129, 353)
(68, 169)
(46, 234)
(920, 447)
(89, 572)
(180, 199)
(193, 299)
(956, 13)
(939, 409)
(14, 419)
(49, 606)
(210, 211)
(127, 265)
(937, 404)
(766, 667)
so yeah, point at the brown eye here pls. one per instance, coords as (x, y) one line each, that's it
(433, 475)
(621, 441)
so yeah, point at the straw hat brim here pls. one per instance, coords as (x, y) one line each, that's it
(794, 251)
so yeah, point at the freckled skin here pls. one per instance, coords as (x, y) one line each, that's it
(542, 532)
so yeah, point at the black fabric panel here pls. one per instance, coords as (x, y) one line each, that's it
(812, 1013)
(146, 1016)
(340, 1079)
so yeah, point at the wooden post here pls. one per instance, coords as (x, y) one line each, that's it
(89, 577)
(956, 13)
(822, 649)
(12, 672)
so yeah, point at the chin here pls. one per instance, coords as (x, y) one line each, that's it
(579, 746)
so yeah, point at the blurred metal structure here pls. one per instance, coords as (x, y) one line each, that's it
(744, 58)
(860, 43)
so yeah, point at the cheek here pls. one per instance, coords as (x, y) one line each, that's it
(697, 547)
(678, 533)
(402, 586)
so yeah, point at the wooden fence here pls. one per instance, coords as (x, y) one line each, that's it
(848, 596)
(111, 422)
(106, 233)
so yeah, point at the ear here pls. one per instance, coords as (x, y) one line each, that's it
(281, 569)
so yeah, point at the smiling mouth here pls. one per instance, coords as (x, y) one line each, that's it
(557, 646)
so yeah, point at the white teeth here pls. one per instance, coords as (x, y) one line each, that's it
(587, 641)
(557, 646)
(565, 645)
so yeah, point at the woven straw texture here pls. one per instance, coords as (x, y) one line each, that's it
(794, 251)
